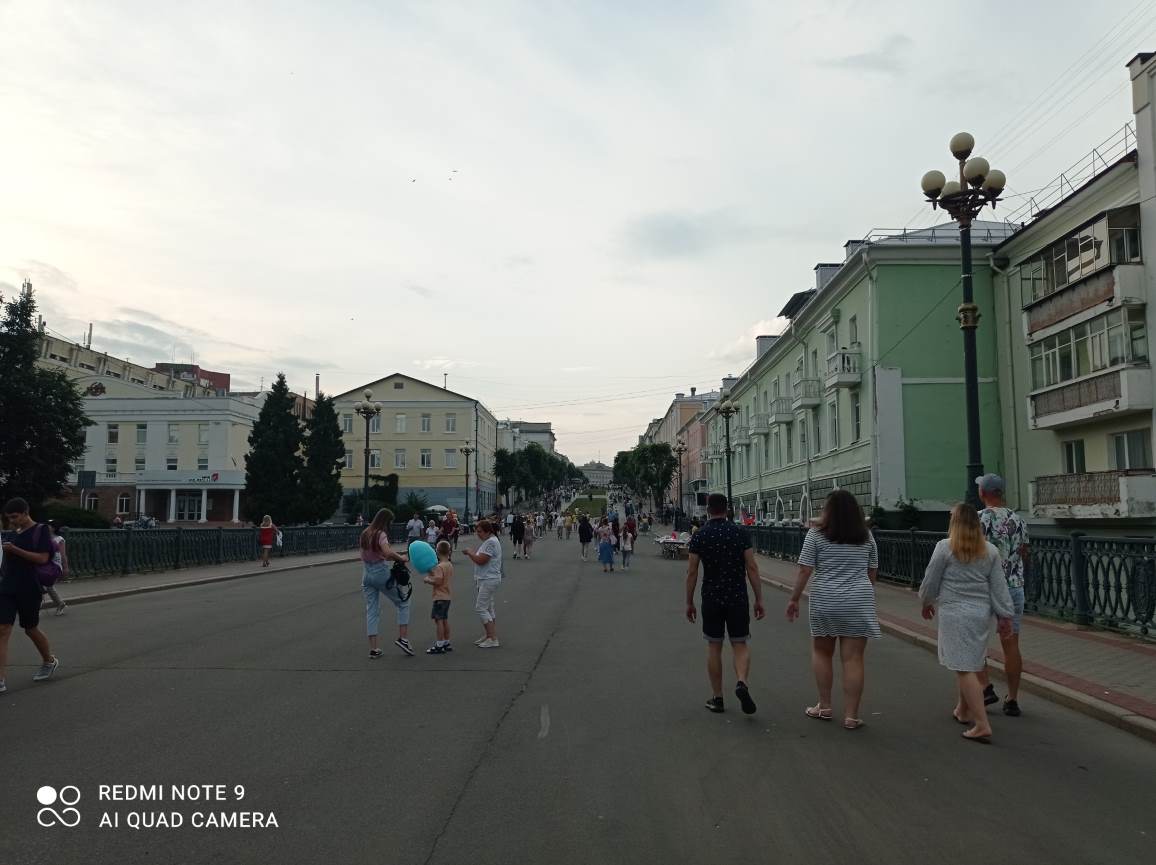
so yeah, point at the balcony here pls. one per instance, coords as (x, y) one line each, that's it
(781, 411)
(740, 437)
(1095, 495)
(808, 393)
(1119, 284)
(1121, 391)
(760, 425)
(843, 369)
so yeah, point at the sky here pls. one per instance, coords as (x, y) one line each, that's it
(573, 209)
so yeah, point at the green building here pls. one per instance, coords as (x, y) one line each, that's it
(864, 389)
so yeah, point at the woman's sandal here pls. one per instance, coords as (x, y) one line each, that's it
(853, 723)
(818, 713)
(983, 740)
(959, 720)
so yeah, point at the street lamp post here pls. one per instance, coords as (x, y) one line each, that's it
(467, 450)
(728, 410)
(680, 448)
(368, 410)
(978, 186)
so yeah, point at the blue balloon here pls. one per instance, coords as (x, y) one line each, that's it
(422, 557)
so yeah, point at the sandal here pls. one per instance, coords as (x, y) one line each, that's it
(853, 723)
(818, 712)
(959, 720)
(983, 740)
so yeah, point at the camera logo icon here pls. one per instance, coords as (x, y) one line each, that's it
(67, 796)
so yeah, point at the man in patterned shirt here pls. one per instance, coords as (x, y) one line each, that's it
(728, 564)
(1008, 533)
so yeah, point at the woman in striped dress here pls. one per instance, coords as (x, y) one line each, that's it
(965, 577)
(840, 555)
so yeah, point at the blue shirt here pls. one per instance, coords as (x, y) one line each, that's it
(721, 546)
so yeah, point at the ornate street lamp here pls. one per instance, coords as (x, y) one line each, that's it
(680, 448)
(728, 410)
(368, 410)
(978, 186)
(467, 450)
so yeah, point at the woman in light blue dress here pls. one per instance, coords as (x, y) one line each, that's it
(965, 578)
(605, 545)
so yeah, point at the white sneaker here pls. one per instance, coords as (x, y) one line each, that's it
(480, 640)
(489, 644)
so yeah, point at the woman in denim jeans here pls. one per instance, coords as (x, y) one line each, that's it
(377, 557)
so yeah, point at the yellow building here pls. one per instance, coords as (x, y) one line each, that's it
(419, 435)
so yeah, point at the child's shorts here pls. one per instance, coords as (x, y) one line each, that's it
(441, 611)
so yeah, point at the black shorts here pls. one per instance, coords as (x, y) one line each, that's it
(733, 619)
(441, 611)
(22, 605)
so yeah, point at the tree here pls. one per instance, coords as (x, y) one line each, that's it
(505, 470)
(647, 468)
(273, 465)
(42, 433)
(382, 494)
(415, 504)
(323, 452)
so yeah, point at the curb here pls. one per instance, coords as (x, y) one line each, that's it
(1100, 710)
(198, 581)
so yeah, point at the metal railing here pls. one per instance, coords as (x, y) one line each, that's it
(110, 552)
(1103, 582)
(843, 363)
(1081, 489)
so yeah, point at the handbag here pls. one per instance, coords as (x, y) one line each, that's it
(48, 573)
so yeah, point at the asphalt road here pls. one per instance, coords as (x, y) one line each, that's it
(583, 739)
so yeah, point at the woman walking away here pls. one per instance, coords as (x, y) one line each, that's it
(266, 535)
(528, 539)
(60, 559)
(585, 535)
(487, 561)
(606, 546)
(841, 556)
(966, 578)
(377, 579)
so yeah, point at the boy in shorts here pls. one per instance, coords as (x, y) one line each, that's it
(441, 578)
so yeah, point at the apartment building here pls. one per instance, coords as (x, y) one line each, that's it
(597, 474)
(513, 435)
(419, 436)
(1074, 311)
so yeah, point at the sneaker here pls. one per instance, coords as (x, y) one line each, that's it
(435, 650)
(715, 704)
(60, 610)
(375, 653)
(989, 695)
(447, 646)
(46, 670)
(489, 644)
(1011, 707)
(403, 644)
(744, 696)
(480, 640)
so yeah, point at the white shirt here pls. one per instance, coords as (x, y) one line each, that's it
(509, 519)
(414, 527)
(431, 535)
(491, 570)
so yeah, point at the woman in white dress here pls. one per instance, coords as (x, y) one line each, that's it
(965, 577)
(840, 555)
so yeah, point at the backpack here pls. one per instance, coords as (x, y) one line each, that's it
(48, 573)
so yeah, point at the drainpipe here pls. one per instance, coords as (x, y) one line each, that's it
(810, 444)
(872, 349)
(1014, 462)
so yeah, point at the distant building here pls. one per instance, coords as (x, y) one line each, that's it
(598, 474)
(513, 435)
(218, 381)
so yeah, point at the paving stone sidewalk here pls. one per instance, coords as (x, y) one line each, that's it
(1115, 674)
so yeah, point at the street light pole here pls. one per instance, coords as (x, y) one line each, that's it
(368, 410)
(978, 186)
(728, 410)
(467, 450)
(680, 449)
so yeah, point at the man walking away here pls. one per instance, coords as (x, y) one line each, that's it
(724, 549)
(1007, 532)
(414, 528)
(20, 587)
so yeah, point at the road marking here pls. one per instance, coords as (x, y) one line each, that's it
(544, 722)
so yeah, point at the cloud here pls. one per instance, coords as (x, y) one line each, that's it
(887, 58)
(421, 290)
(514, 262)
(292, 361)
(578, 368)
(443, 363)
(673, 234)
(742, 348)
(44, 277)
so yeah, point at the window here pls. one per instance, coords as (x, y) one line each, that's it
(1074, 457)
(139, 464)
(202, 464)
(832, 341)
(399, 458)
(399, 423)
(375, 459)
(1131, 450)
(775, 445)
(91, 502)
(803, 438)
(775, 388)
(174, 434)
(348, 460)
(347, 423)
(426, 423)
(451, 422)
(451, 458)
(853, 330)
(142, 433)
(818, 425)
(123, 503)
(399, 385)
(110, 467)
(202, 433)
(814, 362)
(426, 457)
(375, 424)
(833, 423)
(856, 420)
(1109, 340)
(170, 464)
(113, 433)
(789, 440)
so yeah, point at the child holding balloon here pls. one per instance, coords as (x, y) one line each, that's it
(440, 578)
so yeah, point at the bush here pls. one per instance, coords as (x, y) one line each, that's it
(73, 518)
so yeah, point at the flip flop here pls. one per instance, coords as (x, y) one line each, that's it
(983, 740)
(853, 723)
(818, 713)
(959, 720)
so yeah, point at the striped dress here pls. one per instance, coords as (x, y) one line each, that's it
(842, 598)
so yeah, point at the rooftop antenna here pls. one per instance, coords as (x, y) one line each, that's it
(88, 342)
(445, 380)
(316, 386)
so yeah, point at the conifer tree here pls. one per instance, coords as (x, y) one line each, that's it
(273, 466)
(324, 451)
